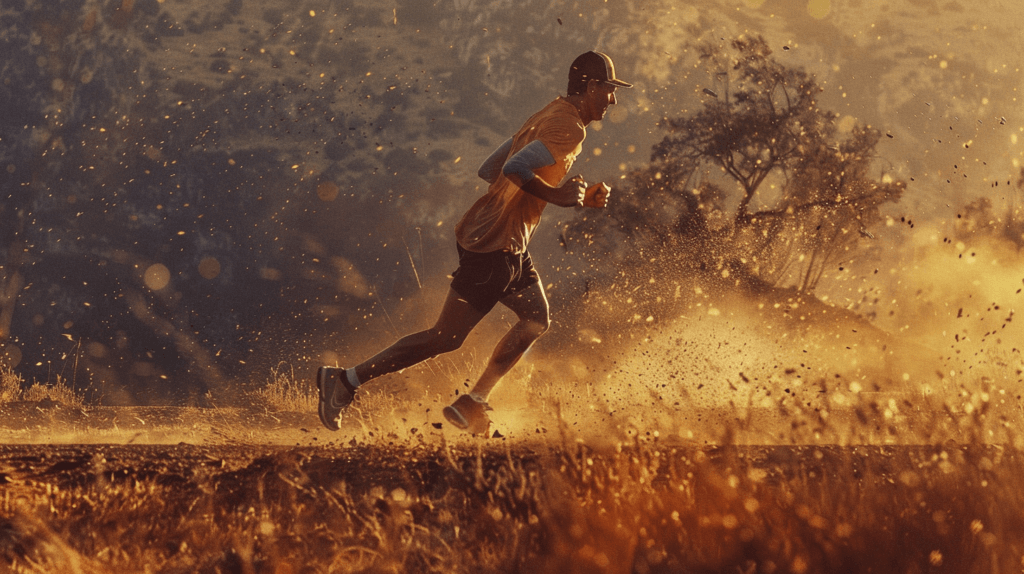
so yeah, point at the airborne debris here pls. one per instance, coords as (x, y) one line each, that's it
(710, 93)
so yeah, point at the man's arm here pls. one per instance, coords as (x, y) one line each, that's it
(535, 155)
(569, 194)
(491, 167)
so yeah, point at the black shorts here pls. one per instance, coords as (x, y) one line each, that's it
(484, 279)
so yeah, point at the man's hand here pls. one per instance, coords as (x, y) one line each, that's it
(597, 195)
(574, 190)
(569, 194)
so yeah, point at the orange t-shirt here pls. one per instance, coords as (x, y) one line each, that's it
(505, 218)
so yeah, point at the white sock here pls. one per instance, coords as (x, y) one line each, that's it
(353, 379)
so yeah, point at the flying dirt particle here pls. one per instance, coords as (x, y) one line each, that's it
(710, 93)
(559, 21)
(436, 425)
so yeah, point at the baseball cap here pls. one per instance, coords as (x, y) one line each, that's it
(595, 66)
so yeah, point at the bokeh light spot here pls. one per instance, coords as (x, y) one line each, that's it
(157, 276)
(618, 114)
(270, 274)
(96, 350)
(209, 267)
(846, 124)
(327, 191)
(819, 8)
(10, 356)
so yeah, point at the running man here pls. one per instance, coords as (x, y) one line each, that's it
(492, 239)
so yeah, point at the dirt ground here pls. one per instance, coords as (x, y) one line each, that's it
(190, 490)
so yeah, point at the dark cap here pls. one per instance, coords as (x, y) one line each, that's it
(595, 66)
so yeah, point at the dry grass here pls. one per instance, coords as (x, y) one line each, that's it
(12, 389)
(10, 384)
(283, 392)
(642, 507)
(374, 409)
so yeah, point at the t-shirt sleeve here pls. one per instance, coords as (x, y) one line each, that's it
(491, 167)
(562, 135)
(532, 157)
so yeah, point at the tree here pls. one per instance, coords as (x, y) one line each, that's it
(980, 217)
(759, 185)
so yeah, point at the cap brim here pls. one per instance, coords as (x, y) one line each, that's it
(618, 82)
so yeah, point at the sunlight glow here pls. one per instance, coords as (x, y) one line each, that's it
(819, 9)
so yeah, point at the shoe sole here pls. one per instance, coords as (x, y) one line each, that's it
(331, 424)
(455, 417)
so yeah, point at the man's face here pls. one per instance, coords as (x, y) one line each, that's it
(601, 95)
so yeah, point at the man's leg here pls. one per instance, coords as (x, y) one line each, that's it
(337, 389)
(531, 307)
(453, 325)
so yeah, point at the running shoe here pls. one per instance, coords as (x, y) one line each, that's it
(336, 393)
(468, 414)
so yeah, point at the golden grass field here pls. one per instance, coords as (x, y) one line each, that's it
(233, 495)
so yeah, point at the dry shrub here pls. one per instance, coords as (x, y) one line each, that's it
(10, 384)
(59, 391)
(285, 393)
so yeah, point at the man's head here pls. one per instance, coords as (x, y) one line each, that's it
(592, 66)
(592, 84)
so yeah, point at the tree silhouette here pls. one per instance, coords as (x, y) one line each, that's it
(982, 218)
(759, 185)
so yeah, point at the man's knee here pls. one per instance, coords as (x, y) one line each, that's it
(447, 342)
(538, 326)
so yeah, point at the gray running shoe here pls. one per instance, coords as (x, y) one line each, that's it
(468, 414)
(335, 395)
